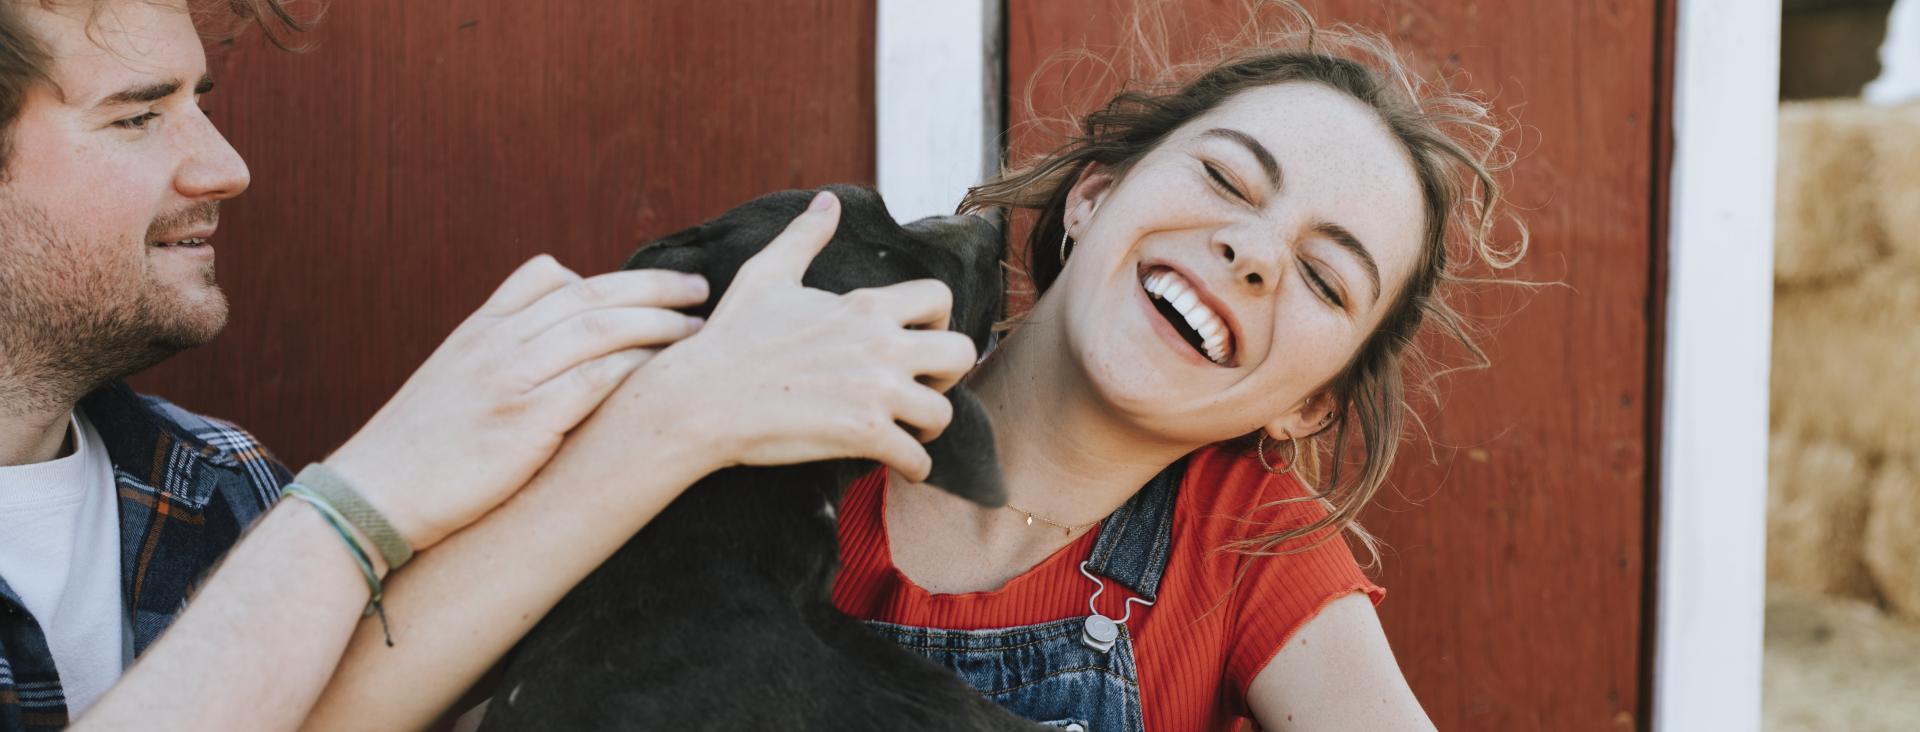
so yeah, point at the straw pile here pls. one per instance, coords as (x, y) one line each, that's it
(1844, 509)
(1816, 516)
(1825, 222)
(1892, 548)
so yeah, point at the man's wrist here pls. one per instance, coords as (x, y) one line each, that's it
(366, 475)
(315, 530)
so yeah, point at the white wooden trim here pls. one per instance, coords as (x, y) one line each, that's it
(1899, 80)
(1713, 461)
(937, 97)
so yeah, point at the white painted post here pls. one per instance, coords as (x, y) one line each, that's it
(1899, 57)
(1713, 463)
(937, 94)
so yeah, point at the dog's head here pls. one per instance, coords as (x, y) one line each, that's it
(868, 250)
(871, 250)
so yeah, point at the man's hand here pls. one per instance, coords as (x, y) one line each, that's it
(784, 373)
(491, 405)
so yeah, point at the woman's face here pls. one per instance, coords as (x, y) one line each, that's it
(1235, 269)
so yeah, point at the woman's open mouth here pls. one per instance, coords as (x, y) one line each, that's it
(1180, 304)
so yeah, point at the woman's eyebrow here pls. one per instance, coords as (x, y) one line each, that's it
(1351, 243)
(1260, 153)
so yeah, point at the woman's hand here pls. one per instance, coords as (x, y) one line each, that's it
(491, 405)
(784, 373)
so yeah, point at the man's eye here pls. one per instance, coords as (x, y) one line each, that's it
(1221, 181)
(136, 122)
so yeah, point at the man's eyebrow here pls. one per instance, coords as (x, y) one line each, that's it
(153, 92)
(1260, 153)
(1351, 243)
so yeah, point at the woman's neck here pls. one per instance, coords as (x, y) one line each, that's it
(1064, 455)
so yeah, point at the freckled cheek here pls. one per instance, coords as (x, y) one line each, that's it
(1314, 351)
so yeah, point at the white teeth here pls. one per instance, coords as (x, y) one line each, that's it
(1184, 302)
(1172, 288)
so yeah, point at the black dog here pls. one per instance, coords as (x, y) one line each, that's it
(718, 616)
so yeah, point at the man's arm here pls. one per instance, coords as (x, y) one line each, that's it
(458, 608)
(259, 641)
(286, 598)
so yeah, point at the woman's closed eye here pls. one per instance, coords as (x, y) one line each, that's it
(1320, 285)
(1220, 179)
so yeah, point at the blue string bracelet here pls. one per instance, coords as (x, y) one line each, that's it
(360, 557)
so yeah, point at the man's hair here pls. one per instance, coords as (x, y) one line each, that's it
(24, 60)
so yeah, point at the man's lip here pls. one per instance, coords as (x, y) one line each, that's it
(205, 233)
(1206, 297)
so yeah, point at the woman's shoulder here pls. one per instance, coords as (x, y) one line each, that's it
(1230, 496)
(1233, 508)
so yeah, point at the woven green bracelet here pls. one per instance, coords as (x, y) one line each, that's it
(358, 512)
(339, 524)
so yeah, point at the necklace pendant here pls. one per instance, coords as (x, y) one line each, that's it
(1066, 531)
(1029, 519)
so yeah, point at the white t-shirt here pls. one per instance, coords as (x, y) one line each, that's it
(60, 552)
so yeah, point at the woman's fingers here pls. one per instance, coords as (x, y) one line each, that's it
(595, 333)
(641, 288)
(923, 411)
(896, 449)
(939, 358)
(785, 259)
(924, 304)
(568, 398)
(533, 280)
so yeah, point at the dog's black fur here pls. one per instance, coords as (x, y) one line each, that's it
(718, 616)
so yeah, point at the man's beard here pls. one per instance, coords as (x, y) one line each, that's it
(77, 314)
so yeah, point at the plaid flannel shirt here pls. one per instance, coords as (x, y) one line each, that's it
(188, 487)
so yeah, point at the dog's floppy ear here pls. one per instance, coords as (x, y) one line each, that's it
(679, 251)
(965, 462)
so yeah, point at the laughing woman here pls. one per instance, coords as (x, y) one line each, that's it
(1231, 271)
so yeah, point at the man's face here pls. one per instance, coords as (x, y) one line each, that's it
(109, 193)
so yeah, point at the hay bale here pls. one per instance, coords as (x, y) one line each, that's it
(1892, 550)
(1816, 513)
(1825, 218)
(1896, 179)
(1844, 358)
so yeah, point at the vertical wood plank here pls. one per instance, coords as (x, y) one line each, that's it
(422, 150)
(1713, 468)
(1516, 554)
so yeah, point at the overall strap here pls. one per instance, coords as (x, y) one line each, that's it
(1133, 543)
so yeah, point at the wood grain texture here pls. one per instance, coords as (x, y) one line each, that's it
(422, 150)
(1517, 553)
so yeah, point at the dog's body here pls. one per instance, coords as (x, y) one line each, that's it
(718, 616)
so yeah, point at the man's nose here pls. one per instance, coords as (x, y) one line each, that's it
(211, 169)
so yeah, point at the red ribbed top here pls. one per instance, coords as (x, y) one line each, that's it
(1195, 665)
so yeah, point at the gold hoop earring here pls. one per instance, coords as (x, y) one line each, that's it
(1293, 459)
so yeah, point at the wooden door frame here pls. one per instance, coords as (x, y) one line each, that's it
(1709, 590)
(938, 98)
(938, 85)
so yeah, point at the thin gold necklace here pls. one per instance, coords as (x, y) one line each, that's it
(1067, 529)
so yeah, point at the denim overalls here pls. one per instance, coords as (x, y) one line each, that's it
(1077, 673)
